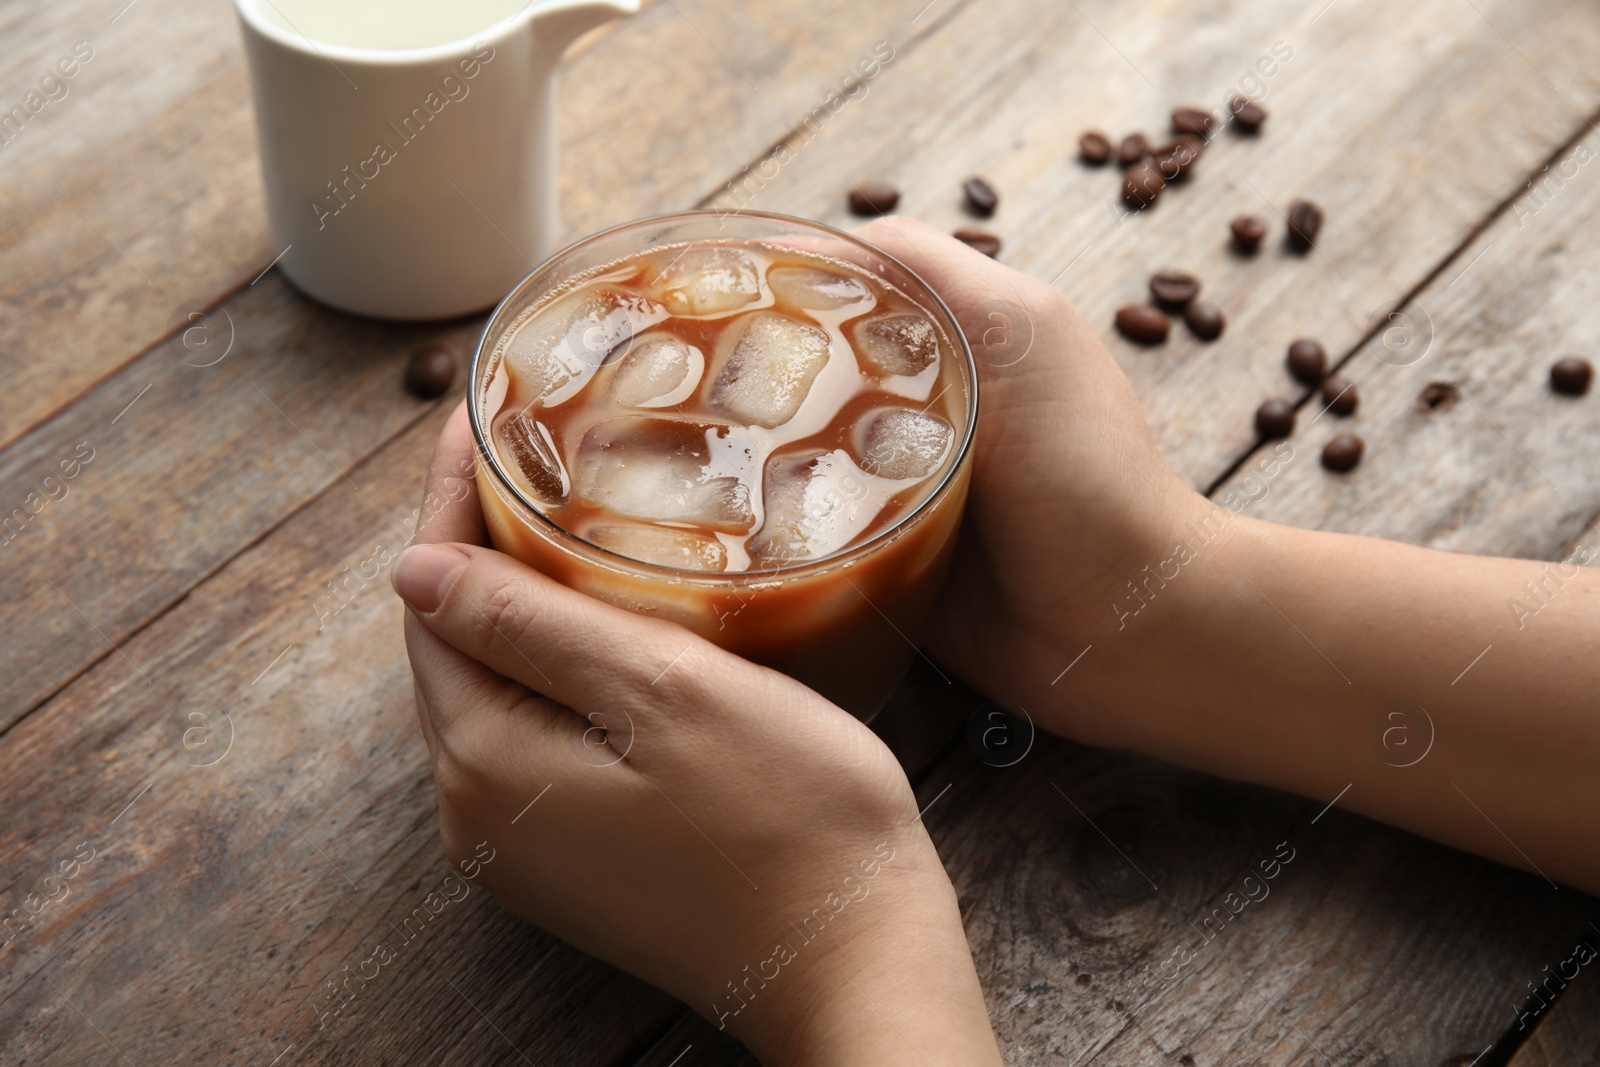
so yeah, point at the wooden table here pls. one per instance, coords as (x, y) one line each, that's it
(206, 695)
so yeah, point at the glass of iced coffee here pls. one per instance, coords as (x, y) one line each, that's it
(756, 426)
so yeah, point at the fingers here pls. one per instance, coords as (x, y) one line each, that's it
(450, 509)
(520, 624)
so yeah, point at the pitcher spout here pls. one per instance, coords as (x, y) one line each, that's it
(557, 23)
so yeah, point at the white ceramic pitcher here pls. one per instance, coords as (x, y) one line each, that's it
(413, 183)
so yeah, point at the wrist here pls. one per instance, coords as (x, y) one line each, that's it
(896, 986)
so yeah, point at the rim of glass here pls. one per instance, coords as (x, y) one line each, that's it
(487, 454)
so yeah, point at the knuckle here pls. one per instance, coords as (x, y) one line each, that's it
(502, 612)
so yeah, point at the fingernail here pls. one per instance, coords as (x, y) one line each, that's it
(424, 573)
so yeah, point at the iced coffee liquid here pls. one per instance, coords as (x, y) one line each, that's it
(718, 407)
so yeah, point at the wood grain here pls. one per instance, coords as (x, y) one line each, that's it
(203, 464)
(1565, 1033)
(1407, 137)
(227, 894)
(139, 192)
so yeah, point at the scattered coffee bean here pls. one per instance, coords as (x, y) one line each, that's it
(1173, 288)
(982, 240)
(1247, 230)
(1275, 419)
(1192, 120)
(1343, 452)
(1305, 219)
(1134, 147)
(1247, 114)
(1340, 396)
(981, 197)
(1205, 319)
(1438, 396)
(430, 370)
(1571, 376)
(1143, 323)
(1142, 185)
(1094, 148)
(1307, 361)
(873, 198)
(1174, 158)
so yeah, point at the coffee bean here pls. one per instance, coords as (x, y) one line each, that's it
(430, 370)
(873, 198)
(1571, 376)
(1274, 419)
(1205, 319)
(1142, 185)
(981, 197)
(1343, 452)
(1247, 114)
(1247, 230)
(982, 240)
(1192, 120)
(1438, 396)
(1305, 219)
(1094, 148)
(1142, 323)
(1307, 361)
(1340, 395)
(1134, 147)
(1174, 158)
(1174, 288)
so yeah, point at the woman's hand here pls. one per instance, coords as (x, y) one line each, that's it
(709, 825)
(1070, 497)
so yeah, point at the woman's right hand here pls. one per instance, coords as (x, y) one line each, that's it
(1070, 496)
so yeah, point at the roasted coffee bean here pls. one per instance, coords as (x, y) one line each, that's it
(1274, 419)
(1305, 219)
(1571, 376)
(1247, 230)
(981, 197)
(1143, 323)
(1438, 396)
(1192, 120)
(1134, 147)
(1340, 395)
(1174, 158)
(982, 240)
(1174, 288)
(1247, 114)
(1307, 361)
(1205, 319)
(429, 371)
(1343, 452)
(873, 198)
(1094, 148)
(1142, 185)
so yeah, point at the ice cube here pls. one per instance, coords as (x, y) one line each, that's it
(528, 444)
(767, 375)
(898, 343)
(901, 442)
(816, 503)
(665, 546)
(574, 335)
(663, 470)
(706, 280)
(657, 372)
(816, 289)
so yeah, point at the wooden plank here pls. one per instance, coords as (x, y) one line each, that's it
(1564, 1033)
(203, 464)
(1509, 468)
(139, 191)
(1407, 135)
(228, 894)
(1086, 880)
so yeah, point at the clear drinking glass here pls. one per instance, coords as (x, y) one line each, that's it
(844, 624)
